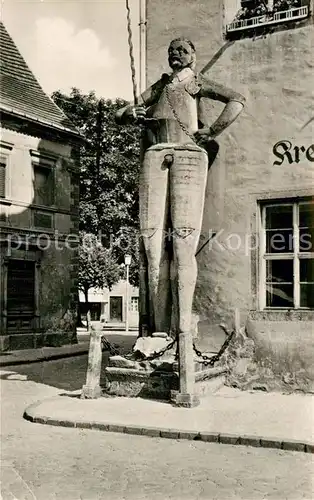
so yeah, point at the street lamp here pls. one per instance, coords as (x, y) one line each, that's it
(127, 262)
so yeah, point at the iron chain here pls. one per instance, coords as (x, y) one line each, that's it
(107, 346)
(158, 354)
(211, 360)
(175, 114)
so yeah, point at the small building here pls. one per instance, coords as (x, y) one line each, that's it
(256, 250)
(109, 306)
(39, 194)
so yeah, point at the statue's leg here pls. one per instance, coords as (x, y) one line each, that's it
(153, 223)
(188, 177)
(145, 321)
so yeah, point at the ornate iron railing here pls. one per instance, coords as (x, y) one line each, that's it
(266, 19)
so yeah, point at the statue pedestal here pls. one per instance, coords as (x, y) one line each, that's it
(160, 379)
(144, 378)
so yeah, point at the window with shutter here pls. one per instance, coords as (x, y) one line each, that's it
(2, 179)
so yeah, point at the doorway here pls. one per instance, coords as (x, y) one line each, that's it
(116, 308)
(20, 296)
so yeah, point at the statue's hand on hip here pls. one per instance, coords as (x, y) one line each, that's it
(135, 113)
(203, 135)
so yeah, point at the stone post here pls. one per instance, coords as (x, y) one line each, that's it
(186, 396)
(92, 389)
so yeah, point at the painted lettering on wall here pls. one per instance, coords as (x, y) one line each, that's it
(285, 151)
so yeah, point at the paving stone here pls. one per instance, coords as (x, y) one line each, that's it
(115, 428)
(229, 439)
(271, 443)
(133, 429)
(169, 433)
(192, 435)
(293, 445)
(309, 448)
(250, 441)
(151, 431)
(210, 437)
(100, 426)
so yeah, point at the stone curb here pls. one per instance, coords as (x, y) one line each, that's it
(40, 359)
(208, 437)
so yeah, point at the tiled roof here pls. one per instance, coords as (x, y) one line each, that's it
(21, 94)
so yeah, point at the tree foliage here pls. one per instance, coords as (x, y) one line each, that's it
(97, 266)
(109, 163)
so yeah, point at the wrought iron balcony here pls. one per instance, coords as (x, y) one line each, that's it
(267, 19)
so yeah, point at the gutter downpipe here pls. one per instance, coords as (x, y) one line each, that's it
(142, 26)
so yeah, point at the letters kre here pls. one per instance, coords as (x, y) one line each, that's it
(283, 149)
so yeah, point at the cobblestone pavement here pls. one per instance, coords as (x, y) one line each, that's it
(41, 462)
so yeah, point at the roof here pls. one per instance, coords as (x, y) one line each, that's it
(20, 92)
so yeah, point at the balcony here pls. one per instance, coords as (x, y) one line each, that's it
(268, 19)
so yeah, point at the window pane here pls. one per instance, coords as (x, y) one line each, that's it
(279, 241)
(307, 295)
(278, 271)
(279, 295)
(306, 214)
(42, 186)
(306, 240)
(42, 220)
(307, 270)
(279, 217)
(134, 304)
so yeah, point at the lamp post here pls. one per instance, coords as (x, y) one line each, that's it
(127, 262)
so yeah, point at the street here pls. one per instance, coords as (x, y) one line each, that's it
(44, 462)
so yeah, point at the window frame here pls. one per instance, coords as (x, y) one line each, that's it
(134, 300)
(44, 161)
(51, 177)
(5, 154)
(295, 255)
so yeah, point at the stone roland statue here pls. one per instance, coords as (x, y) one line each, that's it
(172, 184)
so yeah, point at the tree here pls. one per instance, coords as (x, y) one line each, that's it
(97, 266)
(109, 164)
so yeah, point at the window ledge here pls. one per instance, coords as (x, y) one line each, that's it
(282, 315)
(3, 201)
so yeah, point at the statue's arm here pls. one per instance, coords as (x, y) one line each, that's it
(132, 112)
(234, 103)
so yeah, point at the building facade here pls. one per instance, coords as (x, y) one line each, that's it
(39, 191)
(110, 306)
(256, 250)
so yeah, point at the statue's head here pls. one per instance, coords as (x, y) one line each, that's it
(181, 54)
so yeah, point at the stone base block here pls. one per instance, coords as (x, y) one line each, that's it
(210, 386)
(209, 380)
(186, 400)
(91, 392)
(140, 383)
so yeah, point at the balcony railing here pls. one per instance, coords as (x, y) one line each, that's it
(266, 19)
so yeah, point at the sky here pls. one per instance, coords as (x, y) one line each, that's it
(75, 43)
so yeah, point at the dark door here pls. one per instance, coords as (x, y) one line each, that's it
(115, 308)
(20, 295)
